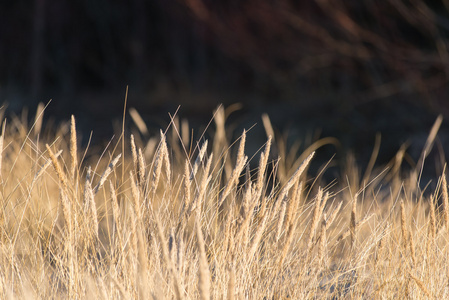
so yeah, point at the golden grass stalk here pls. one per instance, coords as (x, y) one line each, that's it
(432, 219)
(240, 164)
(134, 152)
(187, 197)
(247, 194)
(315, 220)
(134, 235)
(267, 125)
(73, 149)
(196, 203)
(245, 218)
(432, 228)
(232, 180)
(412, 249)
(185, 134)
(246, 213)
(172, 247)
(143, 260)
(67, 212)
(288, 242)
(198, 160)
(87, 184)
(241, 151)
(262, 168)
(89, 202)
(322, 247)
(293, 180)
(280, 221)
(263, 206)
(166, 158)
(38, 118)
(231, 283)
(1, 151)
(106, 173)
(299, 171)
(293, 203)
(229, 226)
(150, 147)
(404, 226)
(334, 214)
(430, 139)
(353, 224)
(220, 133)
(180, 255)
(120, 287)
(157, 165)
(380, 247)
(257, 237)
(357, 226)
(58, 168)
(165, 253)
(324, 201)
(136, 197)
(445, 200)
(44, 167)
(204, 273)
(140, 123)
(186, 183)
(407, 286)
(116, 214)
(421, 285)
(141, 168)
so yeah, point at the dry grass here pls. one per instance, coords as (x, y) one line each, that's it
(202, 224)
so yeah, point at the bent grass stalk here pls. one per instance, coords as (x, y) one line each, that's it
(106, 173)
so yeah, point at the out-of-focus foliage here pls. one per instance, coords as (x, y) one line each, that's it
(365, 49)
(375, 49)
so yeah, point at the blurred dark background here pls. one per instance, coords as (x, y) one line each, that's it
(349, 68)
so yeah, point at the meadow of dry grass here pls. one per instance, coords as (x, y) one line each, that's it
(169, 217)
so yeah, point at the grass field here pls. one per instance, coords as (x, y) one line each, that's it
(168, 217)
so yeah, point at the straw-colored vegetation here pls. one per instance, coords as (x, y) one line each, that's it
(170, 217)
